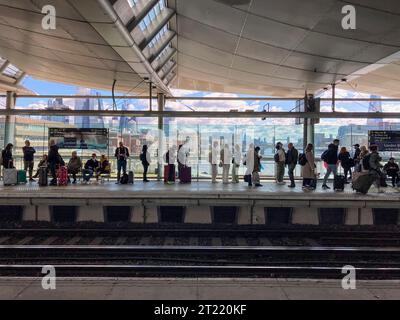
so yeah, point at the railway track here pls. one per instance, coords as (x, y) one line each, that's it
(195, 261)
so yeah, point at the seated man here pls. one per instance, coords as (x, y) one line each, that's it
(392, 170)
(74, 166)
(91, 167)
(42, 163)
(104, 166)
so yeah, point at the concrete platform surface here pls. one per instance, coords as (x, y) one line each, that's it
(195, 190)
(196, 289)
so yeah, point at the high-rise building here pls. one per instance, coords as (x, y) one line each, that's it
(57, 104)
(375, 106)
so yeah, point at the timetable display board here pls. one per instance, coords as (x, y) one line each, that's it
(385, 140)
(73, 138)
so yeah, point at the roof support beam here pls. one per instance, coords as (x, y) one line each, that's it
(4, 66)
(168, 57)
(169, 71)
(20, 78)
(166, 42)
(134, 22)
(172, 79)
(156, 30)
(203, 114)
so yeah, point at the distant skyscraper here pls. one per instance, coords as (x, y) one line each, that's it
(57, 104)
(375, 106)
(89, 104)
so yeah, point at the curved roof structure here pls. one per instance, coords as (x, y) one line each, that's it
(262, 47)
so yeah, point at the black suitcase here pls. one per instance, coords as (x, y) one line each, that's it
(43, 177)
(363, 183)
(339, 182)
(131, 177)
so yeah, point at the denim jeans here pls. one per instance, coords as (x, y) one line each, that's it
(332, 168)
(291, 167)
(121, 164)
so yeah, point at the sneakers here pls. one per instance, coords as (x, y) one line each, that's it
(258, 185)
(324, 186)
(291, 186)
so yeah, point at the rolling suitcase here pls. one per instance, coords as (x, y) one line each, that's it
(131, 177)
(10, 177)
(339, 182)
(185, 175)
(363, 182)
(43, 177)
(62, 176)
(21, 177)
(166, 174)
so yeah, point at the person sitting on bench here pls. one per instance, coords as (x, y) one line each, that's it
(392, 170)
(42, 163)
(104, 167)
(74, 166)
(91, 167)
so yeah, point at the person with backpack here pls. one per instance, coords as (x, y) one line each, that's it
(372, 162)
(257, 167)
(308, 168)
(330, 156)
(55, 160)
(280, 160)
(391, 168)
(7, 157)
(146, 160)
(122, 155)
(29, 153)
(292, 157)
(346, 162)
(213, 158)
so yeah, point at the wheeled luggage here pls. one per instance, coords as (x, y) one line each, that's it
(10, 177)
(363, 182)
(339, 182)
(21, 177)
(62, 176)
(166, 174)
(43, 177)
(185, 175)
(131, 177)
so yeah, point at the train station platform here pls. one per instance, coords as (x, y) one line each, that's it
(196, 289)
(198, 200)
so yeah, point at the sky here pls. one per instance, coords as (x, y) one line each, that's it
(51, 88)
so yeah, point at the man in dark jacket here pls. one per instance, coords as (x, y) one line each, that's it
(292, 156)
(330, 156)
(392, 170)
(91, 167)
(54, 160)
(122, 154)
(357, 152)
(29, 153)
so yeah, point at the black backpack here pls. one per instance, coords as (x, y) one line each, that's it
(124, 179)
(324, 155)
(302, 159)
(365, 162)
(276, 157)
(142, 157)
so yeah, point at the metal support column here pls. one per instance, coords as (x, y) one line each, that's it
(333, 97)
(161, 107)
(310, 131)
(9, 124)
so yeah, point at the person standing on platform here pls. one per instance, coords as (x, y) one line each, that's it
(122, 155)
(74, 165)
(308, 171)
(280, 160)
(146, 160)
(292, 157)
(54, 159)
(249, 163)
(237, 157)
(257, 167)
(7, 157)
(346, 162)
(29, 153)
(214, 161)
(357, 152)
(330, 156)
(170, 158)
(375, 167)
(226, 159)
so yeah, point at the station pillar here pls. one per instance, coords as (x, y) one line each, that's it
(9, 123)
(161, 107)
(310, 131)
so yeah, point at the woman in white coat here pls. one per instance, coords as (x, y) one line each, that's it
(249, 162)
(226, 159)
(237, 158)
(214, 161)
